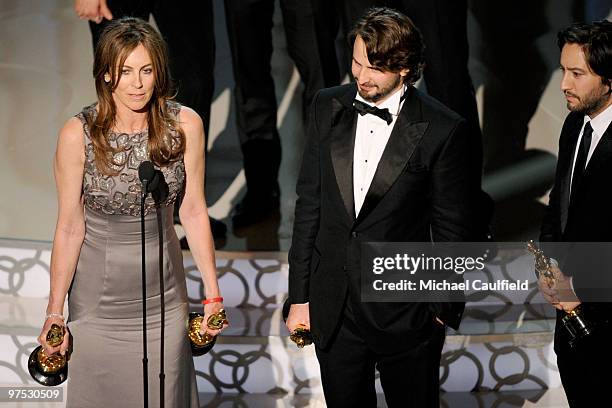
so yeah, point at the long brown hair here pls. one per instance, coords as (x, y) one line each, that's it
(117, 41)
(392, 42)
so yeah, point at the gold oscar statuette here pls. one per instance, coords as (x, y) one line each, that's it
(49, 370)
(301, 336)
(203, 343)
(574, 321)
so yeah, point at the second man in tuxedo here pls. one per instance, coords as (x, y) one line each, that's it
(383, 163)
(579, 211)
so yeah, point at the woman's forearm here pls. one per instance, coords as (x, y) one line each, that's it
(197, 229)
(68, 167)
(64, 257)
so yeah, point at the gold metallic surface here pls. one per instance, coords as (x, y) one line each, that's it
(55, 362)
(574, 322)
(55, 335)
(50, 364)
(195, 337)
(543, 264)
(301, 337)
(217, 320)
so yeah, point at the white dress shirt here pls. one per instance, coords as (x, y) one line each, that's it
(371, 139)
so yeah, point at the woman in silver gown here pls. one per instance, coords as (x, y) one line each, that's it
(96, 257)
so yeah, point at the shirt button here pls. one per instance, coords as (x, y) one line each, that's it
(354, 234)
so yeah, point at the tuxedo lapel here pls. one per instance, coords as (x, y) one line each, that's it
(602, 153)
(343, 128)
(602, 156)
(566, 179)
(406, 134)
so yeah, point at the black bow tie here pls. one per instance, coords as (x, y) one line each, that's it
(364, 108)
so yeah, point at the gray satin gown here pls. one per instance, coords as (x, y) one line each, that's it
(105, 298)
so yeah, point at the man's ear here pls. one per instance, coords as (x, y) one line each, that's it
(404, 72)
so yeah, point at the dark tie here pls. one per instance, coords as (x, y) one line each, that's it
(581, 158)
(364, 108)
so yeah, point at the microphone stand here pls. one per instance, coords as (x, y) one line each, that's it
(160, 195)
(162, 375)
(145, 360)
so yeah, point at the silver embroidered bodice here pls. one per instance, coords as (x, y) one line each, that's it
(120, 194)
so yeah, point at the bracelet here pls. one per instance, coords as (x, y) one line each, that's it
(61, 316)
(212, 300)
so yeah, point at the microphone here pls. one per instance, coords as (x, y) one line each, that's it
(153, 182)
(159, 187)
(146, 173)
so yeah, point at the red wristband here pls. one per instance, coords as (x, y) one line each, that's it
(212, 300)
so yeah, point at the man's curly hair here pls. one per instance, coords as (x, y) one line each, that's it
(392, 42)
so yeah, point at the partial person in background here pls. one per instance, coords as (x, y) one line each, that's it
(506, 112)
(188, 30)
(96, 248)
(310, 30)
(579, 210)
(597, 10)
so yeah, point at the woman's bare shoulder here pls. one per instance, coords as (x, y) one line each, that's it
(190, 120)
(71, 136)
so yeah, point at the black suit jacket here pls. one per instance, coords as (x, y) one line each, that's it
(588, 218)
(419, 193)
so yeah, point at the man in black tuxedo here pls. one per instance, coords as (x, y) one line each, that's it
(579, 210)
(383, 163)
(443, 24)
